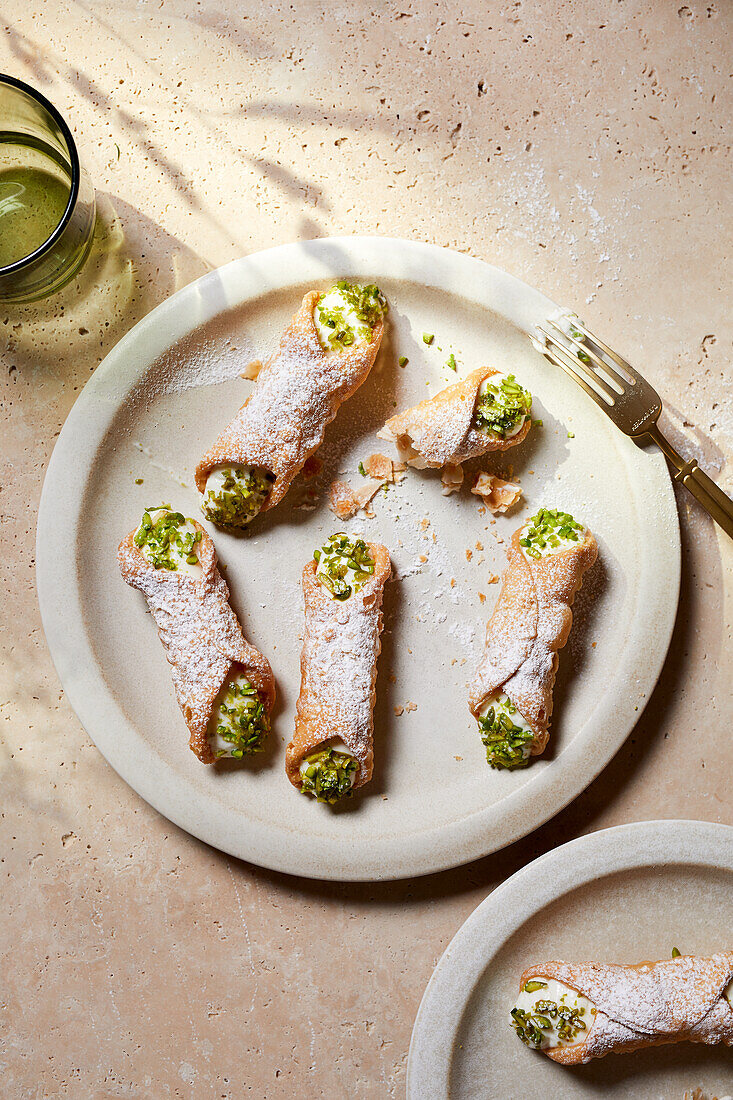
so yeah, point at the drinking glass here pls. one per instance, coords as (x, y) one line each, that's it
(47, 208)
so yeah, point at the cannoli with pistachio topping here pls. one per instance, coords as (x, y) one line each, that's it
(331, 751)
(323, 357)
(511, 692)
(485, 411)
(224, 686)
(577, 1011)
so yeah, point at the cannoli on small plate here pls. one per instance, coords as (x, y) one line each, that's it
(224, 686)
(485, 411)
(577, 1011)
(511, 692)
(331, 752)
(323, 357)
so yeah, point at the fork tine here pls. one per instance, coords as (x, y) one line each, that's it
(612, 376)
(595, 380)
(608, 351)
(553, 357)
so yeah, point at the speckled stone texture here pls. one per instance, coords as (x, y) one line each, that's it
(580, 145)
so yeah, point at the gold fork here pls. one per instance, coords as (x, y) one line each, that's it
(628, 399)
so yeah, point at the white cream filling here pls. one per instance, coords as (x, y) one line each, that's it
(564, 996)
(178, 557)
(548, 550)
(219, 745)
(501, 702)
(338, 746)
(334, 299)
(495, 380)
(328, 561)
(215, 480)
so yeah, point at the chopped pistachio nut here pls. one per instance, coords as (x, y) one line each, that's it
(239, 724)
(451, 362)
(168, 539)
(235, 494)
(549, 532)
(676, 952)
(502, 407)
(428, 337)
(347, 313)
(403, 360)
(550, 1014)
(328, 775)
(343, 565)
(506, 735)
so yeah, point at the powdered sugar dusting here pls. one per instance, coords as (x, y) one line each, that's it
(296, 396)
(530, 623)
(658, 1002)
(339, 668)
(440, 430)
(200, 633)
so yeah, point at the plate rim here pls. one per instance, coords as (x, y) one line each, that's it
(215, 292)
(570, 866)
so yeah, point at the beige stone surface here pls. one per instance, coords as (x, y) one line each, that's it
(580, 145)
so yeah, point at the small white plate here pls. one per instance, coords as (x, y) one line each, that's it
(620, 895)
(157, 402)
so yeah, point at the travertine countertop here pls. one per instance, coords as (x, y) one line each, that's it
(579, 145)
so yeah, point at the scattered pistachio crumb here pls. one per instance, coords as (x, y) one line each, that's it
(427, 337)
(571, 435)
(403, 360)
(451, 362)
(361, 469)
(138, 481)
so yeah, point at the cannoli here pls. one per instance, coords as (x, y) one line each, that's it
(511, 692)
(578, 1011)
(224, 686)
(323, 357)
(485, 411)
(331, 751)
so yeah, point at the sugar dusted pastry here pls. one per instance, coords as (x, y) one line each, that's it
(331, 750)
(511, 692)
(577, 1011)
(323, 357)
(485, 411)
(224, 686)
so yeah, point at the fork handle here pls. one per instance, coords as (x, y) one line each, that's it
(715, 502)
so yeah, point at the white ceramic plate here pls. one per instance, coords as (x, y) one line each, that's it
(620, 895)
(154, 406)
